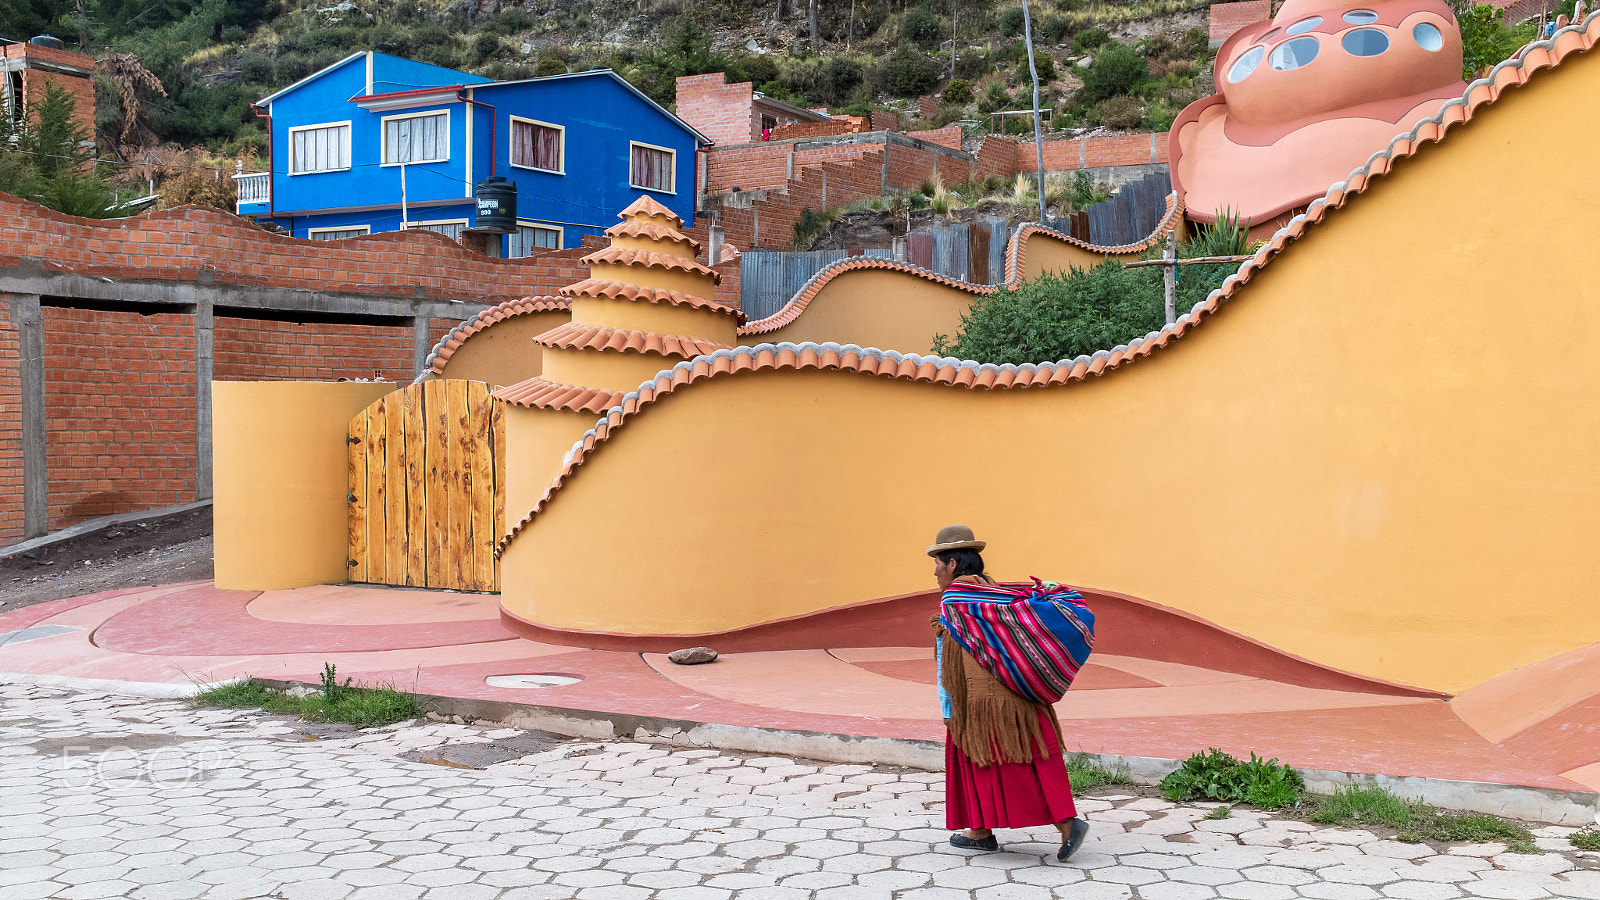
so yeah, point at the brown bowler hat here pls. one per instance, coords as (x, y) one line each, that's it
(955, 537)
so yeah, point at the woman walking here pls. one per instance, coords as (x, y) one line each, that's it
(1006, 652)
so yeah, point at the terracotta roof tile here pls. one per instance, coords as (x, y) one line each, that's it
(578, 336)
(635, 228)
(625, 257)
(649, 206)
(596, 287)
(541, 394)
(949, 371)
(1015, 257)
(447, 345)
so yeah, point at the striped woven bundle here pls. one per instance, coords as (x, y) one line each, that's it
(1033, 637)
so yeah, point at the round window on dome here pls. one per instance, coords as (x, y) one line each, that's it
(1361, 17)
(1293, 54)
(1365, 42)
(1244, 65)
(1428, 37)
(1304, 25)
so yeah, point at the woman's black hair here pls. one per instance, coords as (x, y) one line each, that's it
(968, 561)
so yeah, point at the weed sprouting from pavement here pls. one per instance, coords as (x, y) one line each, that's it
(1587, 838)
(1414, 820)
(1087, 773)
(363, 707)
(1221, 812)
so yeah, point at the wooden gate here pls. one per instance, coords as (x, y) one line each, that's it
(427, 487)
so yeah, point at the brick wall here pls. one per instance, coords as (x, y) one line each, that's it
(949, 136)
(1228, 18)
(928, 106)
(718, 110)
(840, 125)
(10, 429)
(119, 407)
(884, 120)
(763, 167)
(177, 243)
(996, 156)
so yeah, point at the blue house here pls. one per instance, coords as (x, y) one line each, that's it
(377, 143)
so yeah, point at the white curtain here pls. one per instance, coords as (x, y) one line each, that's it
(417, 139)
(322, 149)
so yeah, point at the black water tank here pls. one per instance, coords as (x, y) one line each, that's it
(45, 40)
(497, 206)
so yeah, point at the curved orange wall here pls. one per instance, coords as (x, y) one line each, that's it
(1380, 455)
(876, 308)
(504, 353)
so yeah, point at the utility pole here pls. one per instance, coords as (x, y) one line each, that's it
(1169, 278)
(1033, 72)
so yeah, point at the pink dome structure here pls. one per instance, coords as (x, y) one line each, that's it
(1305, 98)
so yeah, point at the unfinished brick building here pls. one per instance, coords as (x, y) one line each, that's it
(26, 70)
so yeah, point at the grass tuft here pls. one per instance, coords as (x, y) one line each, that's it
(1587, 838)
(1221, 812)
(1088, 773)
(363, 707)
(1414, 820)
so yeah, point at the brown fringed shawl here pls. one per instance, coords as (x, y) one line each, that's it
(988, 722)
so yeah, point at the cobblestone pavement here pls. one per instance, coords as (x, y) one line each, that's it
(104, 796)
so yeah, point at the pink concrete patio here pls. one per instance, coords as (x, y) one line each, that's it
(1534, 727)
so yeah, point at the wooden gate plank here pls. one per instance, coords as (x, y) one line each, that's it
(482, 473)
(416, 536)
(394, 486)
(356, 444)
(437, 464)
(377, 439)
(498, 431)
(459, 555)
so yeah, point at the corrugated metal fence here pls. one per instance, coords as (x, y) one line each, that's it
(975, 253)
(1131, 213)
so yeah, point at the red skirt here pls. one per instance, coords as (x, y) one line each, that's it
(1007, 795)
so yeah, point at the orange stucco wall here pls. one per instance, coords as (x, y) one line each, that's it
(504, 353)
(875, 308)
(281, 472)
(1381, 454)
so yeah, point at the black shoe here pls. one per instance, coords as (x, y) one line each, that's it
(965, 843)
(1075, 835)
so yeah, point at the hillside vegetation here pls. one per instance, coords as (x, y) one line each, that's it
(208, 60)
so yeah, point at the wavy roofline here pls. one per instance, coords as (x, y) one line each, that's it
(1016, 256)
(971, 374)
(446, 347)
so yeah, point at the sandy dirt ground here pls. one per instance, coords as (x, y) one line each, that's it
(163, 551)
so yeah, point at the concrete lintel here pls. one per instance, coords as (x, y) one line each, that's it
(30, 277)
(28, 319)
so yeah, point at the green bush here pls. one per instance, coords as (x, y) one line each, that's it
(1214, 775)
(1120, 111)
(1486, 41)
(1056, 317)
(1053, 29)
(1088, 40)
(1011, 21)
(1118, 69)
(920, 26)
(958, 92)
(908, 73)
(995, 99)
(549, 65)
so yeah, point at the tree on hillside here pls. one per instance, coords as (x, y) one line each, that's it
(49, 159)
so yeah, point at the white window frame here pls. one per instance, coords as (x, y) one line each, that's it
(383, 138)
(349, 151)
(561, 235)
(311, 233)
(415, 225)
(673, 167)
(512, 145)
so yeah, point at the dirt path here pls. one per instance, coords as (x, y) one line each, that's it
(177, 548)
